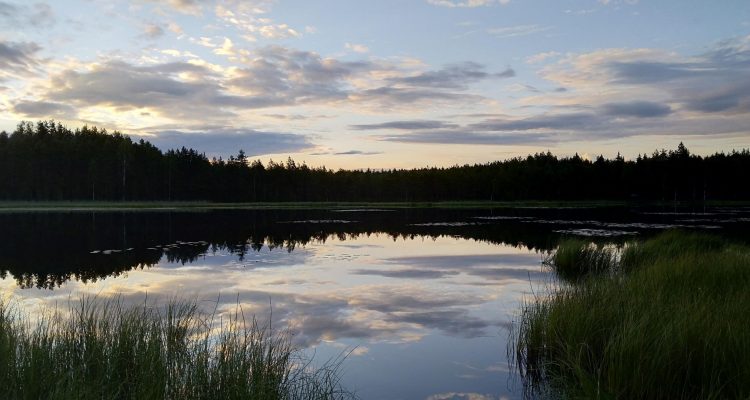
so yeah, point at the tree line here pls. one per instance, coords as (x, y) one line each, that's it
(47, 161)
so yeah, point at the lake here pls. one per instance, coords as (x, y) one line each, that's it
(421, 301)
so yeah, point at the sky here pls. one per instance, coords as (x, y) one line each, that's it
(387, 83)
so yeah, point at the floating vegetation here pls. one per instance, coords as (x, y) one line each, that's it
(623, 225)
(449, 224)
(595, 232)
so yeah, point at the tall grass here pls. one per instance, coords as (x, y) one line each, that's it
(576, 259)
(102, 349)
(674, 323)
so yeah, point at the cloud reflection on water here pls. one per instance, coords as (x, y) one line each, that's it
(343, 292)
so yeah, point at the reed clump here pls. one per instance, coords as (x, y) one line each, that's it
(576, 259)
(103, 349)
(672, 323)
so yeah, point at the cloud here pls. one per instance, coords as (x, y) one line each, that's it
(454, 76)
(193, 7)
(279, 75)
(405, 125)
(466, 3)
(176, 89)
(467, 262)
(357, 48)
(495, 267)
(153, 31)
(615, 93)
(270, 76)
(345, 153)
(540, 57)
(640, 109)
(468, 137)
(224, 141)
(278, 31)
(295, 117)
(227, 48)
(717, 81)
(44, 109)
(188, 90)
(458, 323)
(610, 120)
(395, 312)
(553, 121)
(356, 152)
(519, 30)
(39, 15)
(407, 273)
(246, 17)
(19, 58)
(396, 96)
(42, 15)
(648, 72)
(175, 28)
(8, 10)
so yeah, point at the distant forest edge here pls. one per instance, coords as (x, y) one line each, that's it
(49, 162)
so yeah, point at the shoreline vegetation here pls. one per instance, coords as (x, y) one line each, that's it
(662, 318)
(105, 349)
(6, 206)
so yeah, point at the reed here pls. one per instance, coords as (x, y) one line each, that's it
(103, 349)
(672, 323)
(576, 259)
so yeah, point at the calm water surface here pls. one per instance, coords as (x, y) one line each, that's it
(422, 299)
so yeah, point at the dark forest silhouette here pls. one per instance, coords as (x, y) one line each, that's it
(47, 161)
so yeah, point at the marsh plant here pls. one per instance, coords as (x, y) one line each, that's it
(103, 349)
(671, 323)
(575, 259)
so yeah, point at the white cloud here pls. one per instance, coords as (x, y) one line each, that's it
(279, 31)
(177, 53)
(246, 17)
(193, 7)
(204, 41)
(226, 49)
(357, 48)
(360, 351)
(172, 52)
(175, 28)
(539, 57)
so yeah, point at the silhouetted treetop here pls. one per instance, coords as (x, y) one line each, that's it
(47, 161)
